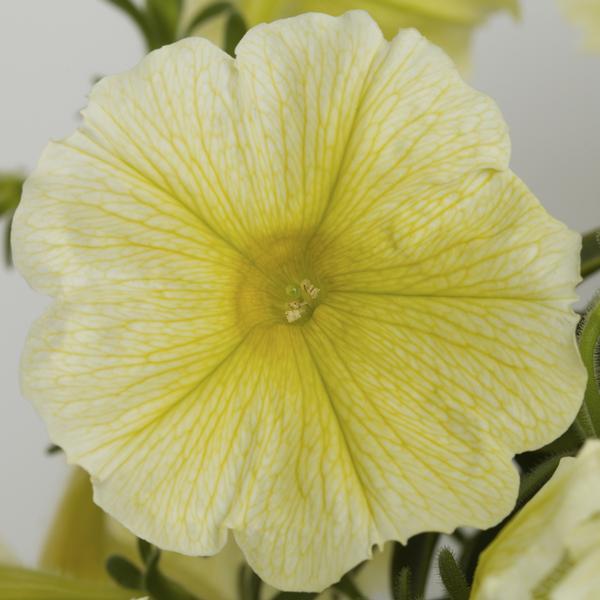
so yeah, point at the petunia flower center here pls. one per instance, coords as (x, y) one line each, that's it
(280, 284)
(303, 299)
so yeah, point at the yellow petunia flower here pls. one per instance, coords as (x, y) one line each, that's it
(586, 14)
(448, 23)
(299, 296)
(551, 549)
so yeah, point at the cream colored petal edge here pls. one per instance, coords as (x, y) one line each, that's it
(533, 543)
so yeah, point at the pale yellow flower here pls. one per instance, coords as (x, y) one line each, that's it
(586, 14)
(82, 537)
(299, 296)
(448, 23)
(551, 549)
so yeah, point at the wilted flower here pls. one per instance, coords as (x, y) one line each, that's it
(551, 549)
(448, 23)
(298, 296)
(586, 14)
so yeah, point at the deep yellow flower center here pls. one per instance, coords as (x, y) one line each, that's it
(279, 284)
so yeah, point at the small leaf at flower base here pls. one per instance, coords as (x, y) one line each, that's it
(590, 253)
(589, 344)
(452, 576)
(347, 586)
(235, 29)
(139, 18)
(147, 551)
(295, 596)
(125, 573)
(163, 17)
(416, 554)
(206, 14)
(249, 584)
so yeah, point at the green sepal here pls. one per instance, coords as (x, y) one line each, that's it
(140, 18)
(453, 578)
(163, 18)
(589, 347)
(125, 573)
(590, 253)
(416, 555)
(235, 29)
(206, 14)
(295, 596)
(349, 589)
(249, 584)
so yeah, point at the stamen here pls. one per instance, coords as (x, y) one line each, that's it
(296, 310)
(309, 289)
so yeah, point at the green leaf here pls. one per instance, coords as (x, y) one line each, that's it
(148, 553)
(401, 586)
(249, 584)
(349, 589)
(210, 12)
(590, 253)
(589, 347)
(17, 583)
(125, 573)
(163, 18)
(53, 449)
(140, 19)
(452, 576)
(416, 555)
(295, 596)
(7, 244)
(235, 29)
(11, 186)
(532, 481)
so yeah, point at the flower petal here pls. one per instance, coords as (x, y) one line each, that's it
(540, 539)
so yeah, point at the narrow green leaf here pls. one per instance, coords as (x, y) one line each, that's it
(163, 18)
(401, 586)
(208, 13)
(53, 449)
(452, 576)
(140, 19)
(589, 347)
(249, 584)
(416, 555)
(125, 573)
(347, 587)
(7, 244)
(590, 253)
(295, 596)
(17, 583)
(148, 553)
(532, 481)
(235, 29)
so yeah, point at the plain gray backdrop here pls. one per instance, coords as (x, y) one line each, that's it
(546, 86)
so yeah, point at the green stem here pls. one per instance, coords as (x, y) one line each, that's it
(590, 253)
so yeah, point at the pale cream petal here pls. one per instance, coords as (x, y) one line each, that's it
(486, 236)
(536, 541)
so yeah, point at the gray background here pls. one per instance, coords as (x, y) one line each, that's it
(547, 88)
